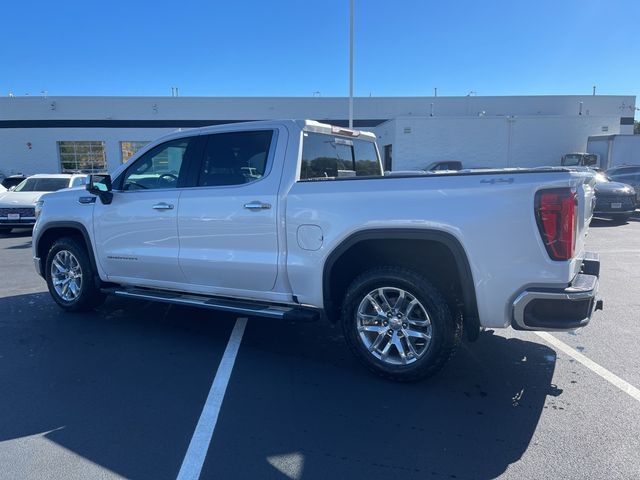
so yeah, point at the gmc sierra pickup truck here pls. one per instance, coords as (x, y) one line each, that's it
(295, 219)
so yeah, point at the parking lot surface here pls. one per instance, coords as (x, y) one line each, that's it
(117, 393)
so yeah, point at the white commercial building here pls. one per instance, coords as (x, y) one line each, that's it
(58, 134)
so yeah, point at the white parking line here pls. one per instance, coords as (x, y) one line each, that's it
(197, 451)
(591, 365)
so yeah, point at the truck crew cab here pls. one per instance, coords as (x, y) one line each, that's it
(295, 219)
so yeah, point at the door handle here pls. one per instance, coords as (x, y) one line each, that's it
(255, 206)
(163, 206)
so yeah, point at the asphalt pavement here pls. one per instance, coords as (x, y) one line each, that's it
(118, 392)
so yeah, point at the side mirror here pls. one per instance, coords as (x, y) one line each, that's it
(100, 185)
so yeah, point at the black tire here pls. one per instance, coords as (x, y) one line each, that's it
(5, 230)
(89, 295)
(445, 329)
(620, 217)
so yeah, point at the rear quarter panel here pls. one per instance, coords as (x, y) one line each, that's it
(491, 215)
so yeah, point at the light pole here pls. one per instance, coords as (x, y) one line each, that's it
(351, 63)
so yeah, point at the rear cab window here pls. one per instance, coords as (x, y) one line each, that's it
(328, 157)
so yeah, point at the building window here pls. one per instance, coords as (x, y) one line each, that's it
(84, 157)
(129, 149)
(388, 157)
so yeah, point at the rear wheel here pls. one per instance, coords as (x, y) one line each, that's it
(398, 324)
(70, 276)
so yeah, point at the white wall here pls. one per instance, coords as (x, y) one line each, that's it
(43, 157)
(489, 141)
(545, 126)
(318, 108)
(600, 145)
(626, 150)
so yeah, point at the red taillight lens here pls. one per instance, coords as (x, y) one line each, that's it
(556, 217)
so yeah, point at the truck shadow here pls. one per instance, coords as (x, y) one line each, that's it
(21, 246)
(312, 402)
(124, 387)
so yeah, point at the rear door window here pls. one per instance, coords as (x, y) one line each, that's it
(235, 158)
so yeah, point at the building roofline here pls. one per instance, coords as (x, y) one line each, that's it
(303, 97)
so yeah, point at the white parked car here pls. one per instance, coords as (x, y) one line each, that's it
(17, 206)
(295, 219)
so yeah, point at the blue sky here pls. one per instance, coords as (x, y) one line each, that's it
(286, 47)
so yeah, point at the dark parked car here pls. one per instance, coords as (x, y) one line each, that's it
(629, 174)
(444, 165)
(12, 181)
(614, 200)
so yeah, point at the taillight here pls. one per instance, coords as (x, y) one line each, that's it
(556, 217)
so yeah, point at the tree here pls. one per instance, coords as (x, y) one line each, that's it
(636, 128)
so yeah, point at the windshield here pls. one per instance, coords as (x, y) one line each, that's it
(571, 160)
(590, 160)
(42, 184)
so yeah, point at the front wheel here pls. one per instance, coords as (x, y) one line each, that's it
(398, 324)
(70, 276)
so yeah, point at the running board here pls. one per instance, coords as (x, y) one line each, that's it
(224, 304)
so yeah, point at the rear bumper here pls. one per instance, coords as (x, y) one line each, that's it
(626, 203)
(614, 212)
(553, 309)
(22, 223)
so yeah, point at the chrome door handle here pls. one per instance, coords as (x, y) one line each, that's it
(255, 206)
(163, 206)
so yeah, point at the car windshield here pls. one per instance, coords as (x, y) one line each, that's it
(42, 184)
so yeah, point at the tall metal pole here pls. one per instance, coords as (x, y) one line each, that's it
(351, 63)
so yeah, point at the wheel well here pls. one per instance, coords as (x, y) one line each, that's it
(48, 238)
(441, 261)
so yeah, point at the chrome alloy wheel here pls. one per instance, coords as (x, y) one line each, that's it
(393, 325)
(66, 275)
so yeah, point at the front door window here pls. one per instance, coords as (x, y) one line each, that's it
(159, 168)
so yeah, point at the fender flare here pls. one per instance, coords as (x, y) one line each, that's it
(448, 240)
(68, 225)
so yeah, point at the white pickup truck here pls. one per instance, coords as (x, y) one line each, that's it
(295, 219)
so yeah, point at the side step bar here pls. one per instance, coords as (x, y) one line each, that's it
(284, 312)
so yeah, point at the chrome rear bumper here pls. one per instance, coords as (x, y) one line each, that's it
(553, 309)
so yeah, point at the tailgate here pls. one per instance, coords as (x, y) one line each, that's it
(583, 183)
